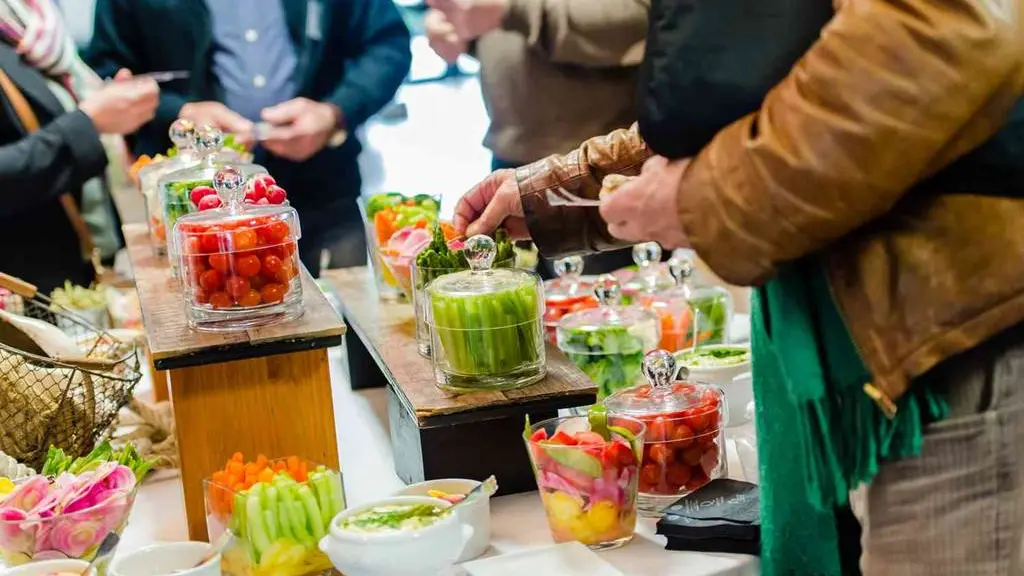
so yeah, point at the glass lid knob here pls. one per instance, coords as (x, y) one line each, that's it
(182, 133)
(229, 184)
(680, 267)
(569, 267)
(608, 291)
(660, 368)
(209, 140)
(480, 251)
(646, 254)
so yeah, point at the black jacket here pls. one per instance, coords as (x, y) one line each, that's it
(358, 62)
(39, 244)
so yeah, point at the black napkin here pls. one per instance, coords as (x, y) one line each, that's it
(720, 517)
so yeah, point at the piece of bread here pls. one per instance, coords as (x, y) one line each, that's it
(612, 182)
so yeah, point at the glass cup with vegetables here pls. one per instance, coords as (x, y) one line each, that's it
(608, 343)
(386, 215)
(278, 510)
(486, 331)
(444, 255)
(684, 447)
(587, 471)
(89, 303)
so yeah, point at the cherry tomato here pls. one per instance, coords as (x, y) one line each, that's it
(250, 298)
(243, 239)
(271, 265)
(201, 296)
(220, 263)
(682, 436)
(286, 273)
(247, 265)
(212, 241)
(211, 280)
(290, 248)
(692, 455)
(661, 454)
(221, 300)
(273, 251)
(650, 473)
(193, 245)
(277, 231)
(272, 293)
(257, 282)
(698, 479)
(236, 286)
(657, 430)
(678, 474)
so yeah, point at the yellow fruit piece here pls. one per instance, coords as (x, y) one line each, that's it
(563, 507)
(436, 494)
(582, 531)
(603, 516)
(6, 486)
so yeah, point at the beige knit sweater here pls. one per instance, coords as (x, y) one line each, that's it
(559, 72)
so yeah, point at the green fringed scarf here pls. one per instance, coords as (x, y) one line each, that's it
(819, 434)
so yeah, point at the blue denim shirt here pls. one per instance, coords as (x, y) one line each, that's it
(253, 56)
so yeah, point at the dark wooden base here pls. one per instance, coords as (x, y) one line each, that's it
(362, 368)
(474, 449)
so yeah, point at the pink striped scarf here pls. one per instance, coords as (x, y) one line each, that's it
(36, 29)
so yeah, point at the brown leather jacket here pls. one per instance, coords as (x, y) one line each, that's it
(894, 91)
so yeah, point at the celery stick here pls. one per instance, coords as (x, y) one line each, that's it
(299, 526)
(270, 521)
(254, 516)
(238, 516)
(316, 520)
(320, 486)
(284, 523)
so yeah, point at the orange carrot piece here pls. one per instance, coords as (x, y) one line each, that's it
(267, 475)
(236, 468)
(293, 462)
(261, 461)
(237, 457)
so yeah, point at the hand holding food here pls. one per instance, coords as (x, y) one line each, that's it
(123, 106)
(491, 204)
(300, 128)
(645, 208)
(217, 115)
(442, 37)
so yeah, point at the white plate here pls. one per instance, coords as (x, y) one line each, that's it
(570, 559)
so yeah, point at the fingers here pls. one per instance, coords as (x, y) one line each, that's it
(503, 203)
(614, 206)
(123, 74)
(285, 112)
(472, 203)
(653, 163)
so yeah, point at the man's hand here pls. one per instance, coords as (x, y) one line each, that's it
(217, 115)
(645, 208)
(492, 203)
(442, 37)
(472, 18)
(301, 128)
(121, 106)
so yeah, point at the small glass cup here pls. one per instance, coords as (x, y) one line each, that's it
(295, 516)
(589, 490)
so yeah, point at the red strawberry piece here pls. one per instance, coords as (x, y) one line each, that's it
(540, 434)
(617, 454)
(587, 437)
(200, 192)
(209, 202)
(263, 202)
(276, 195)
(561, 437)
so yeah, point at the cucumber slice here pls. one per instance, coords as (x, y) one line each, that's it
(638, 447)
(576, 459)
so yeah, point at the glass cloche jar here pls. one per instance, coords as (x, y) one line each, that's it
(182, 134)
(566, 293)
(691, 315)
(684, 446)
(648, 274)
(178, 194)
(239, 263)
(608, 342)
(485, 324)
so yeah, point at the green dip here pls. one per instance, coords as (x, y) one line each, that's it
(394, 518)
(714, 357)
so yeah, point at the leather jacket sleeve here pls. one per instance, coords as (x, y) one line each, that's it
(892, 92)
(564, 230)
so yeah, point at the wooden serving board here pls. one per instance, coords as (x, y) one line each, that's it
(172, 344)
(436, 434)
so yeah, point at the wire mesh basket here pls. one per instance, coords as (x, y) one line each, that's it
(46, 402)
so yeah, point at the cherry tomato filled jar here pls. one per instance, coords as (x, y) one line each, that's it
(566, 294)
(239, 264)
(684, 447)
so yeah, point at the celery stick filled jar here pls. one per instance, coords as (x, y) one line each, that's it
(485, 324)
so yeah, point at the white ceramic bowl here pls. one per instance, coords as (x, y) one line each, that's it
(421, 552)
(735, 380)
(477, 514)
(47, 567)
(166, 559)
